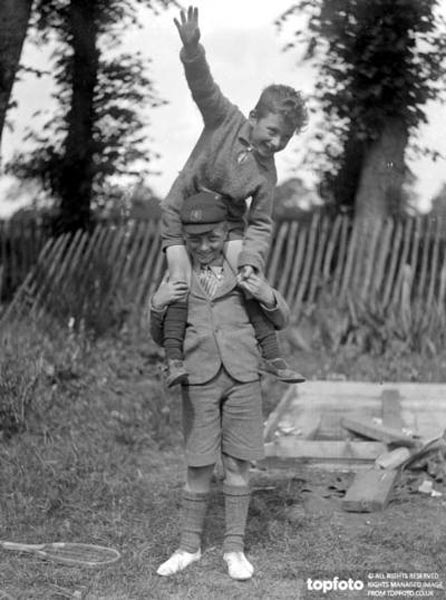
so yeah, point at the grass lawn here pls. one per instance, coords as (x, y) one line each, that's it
(91, 452)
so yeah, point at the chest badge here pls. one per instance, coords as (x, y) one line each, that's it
(243, 155)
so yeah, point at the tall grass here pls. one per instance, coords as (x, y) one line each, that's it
(95, 456)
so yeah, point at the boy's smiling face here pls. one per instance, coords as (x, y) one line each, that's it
(206, 248)
(269, 134)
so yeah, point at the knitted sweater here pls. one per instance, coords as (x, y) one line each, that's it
(223, 161)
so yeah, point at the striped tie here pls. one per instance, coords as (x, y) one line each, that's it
(208, 281)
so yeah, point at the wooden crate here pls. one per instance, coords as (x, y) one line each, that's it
(307, 423)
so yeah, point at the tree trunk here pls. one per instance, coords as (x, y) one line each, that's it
(14, 19)
(347, 179)
(78, 168)
(379, 192)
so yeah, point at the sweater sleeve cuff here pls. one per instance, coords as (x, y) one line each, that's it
(157, 310)
(270, 308)
(187, 58)
(248, 258)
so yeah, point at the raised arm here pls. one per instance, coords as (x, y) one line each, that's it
(213, 105)
(257, 237)
(189, 30)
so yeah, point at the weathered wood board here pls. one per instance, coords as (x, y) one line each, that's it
(308, 422)
(374, 431)
(290, 447)
(371, 490)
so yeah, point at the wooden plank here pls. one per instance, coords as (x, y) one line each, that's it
(402, 264)
(423, 405)
(273, 271)
(53, 271)
(298, 268)
(434, 261)
(308, 261)
(16, 306)
(381, 258)
(59, 286)
(374, 431)
(275, 416)
(304, 424)
(393, 459)
(442, 291)
(391, 409)
(292, 447)
(148, 231)
(341, 256)
(425, 257)
(366, 277)
(402, 457)
(425, 447)
(415, 250)
(287, 265)
(333, 240)
(371, 490)
(316, 278)
(149, 277)
(392, 268)
(349, 262)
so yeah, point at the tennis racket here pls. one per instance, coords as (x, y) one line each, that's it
(68, 553)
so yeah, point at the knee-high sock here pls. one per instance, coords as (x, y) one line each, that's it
(174, 329)
(194, 510)
(236, 512)
(264, 330)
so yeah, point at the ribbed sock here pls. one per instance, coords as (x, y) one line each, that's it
(174, 329)
(194, 510)
(264, 330)
(236, 512)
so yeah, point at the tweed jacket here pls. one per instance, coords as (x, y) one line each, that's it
(223, 161)
(218, 331)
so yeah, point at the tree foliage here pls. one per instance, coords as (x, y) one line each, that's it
(377, 61)
(99, 129)
(14, 18)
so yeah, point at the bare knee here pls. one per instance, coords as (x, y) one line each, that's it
(198, 479)
(178, 263)
(236, 470)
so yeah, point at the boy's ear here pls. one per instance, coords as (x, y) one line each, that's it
(253, 116)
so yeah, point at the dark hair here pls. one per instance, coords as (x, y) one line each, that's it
(285, 101)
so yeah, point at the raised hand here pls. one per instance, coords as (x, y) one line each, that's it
(188, 29)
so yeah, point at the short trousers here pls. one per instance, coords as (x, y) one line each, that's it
(222, 416)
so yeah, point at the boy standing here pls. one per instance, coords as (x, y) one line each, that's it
(222, 409)
(234, 160)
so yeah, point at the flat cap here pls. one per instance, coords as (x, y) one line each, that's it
(201, 211)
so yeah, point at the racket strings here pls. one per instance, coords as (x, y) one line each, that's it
(69, 553)
(83, 553)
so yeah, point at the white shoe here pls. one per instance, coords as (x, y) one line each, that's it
(179, 560)
(239, 566)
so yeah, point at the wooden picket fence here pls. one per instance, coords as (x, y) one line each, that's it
(407, 256)
(123, 263)
(78, 272)
(20, 245)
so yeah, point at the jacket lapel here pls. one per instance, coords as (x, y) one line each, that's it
(229, 281)
(228, 284)
(197, 287)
